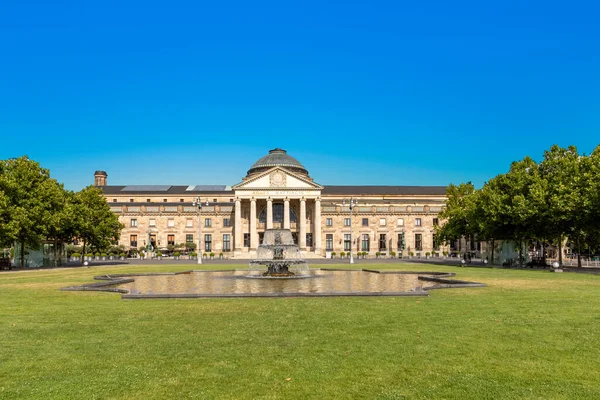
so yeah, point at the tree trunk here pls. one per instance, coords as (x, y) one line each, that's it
(83, 252)
(55, 253)
(578, 252)
(560, 260)
(493, 248)
(520, 253)
(543, 253)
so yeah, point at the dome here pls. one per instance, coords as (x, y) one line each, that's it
(277, 158)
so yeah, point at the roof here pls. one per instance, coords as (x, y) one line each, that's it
(167, 189)
(277, 158)
(384, 190)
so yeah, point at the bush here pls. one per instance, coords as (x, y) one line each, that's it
(159, 254)
(97, 254)
(342, 254)
(333, 253)
(428, 254)
(411, 254)
(89, 255)
(393, 254)
(445, 253)
(193, 254)
(122, 254)
(75, 255)
(378, 254)
(176, 254)
(212, 254)
(103, 255)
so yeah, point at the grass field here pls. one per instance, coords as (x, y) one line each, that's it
(529, 334)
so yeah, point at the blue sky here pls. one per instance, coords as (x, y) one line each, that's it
(369, 92)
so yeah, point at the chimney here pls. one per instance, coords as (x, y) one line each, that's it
(100, 178)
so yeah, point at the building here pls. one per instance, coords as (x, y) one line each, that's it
(278, 191)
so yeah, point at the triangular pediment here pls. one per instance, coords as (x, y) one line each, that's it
(277, 178)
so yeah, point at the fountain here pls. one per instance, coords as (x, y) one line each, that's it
(279, 253)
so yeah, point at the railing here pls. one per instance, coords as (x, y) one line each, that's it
(585, 262)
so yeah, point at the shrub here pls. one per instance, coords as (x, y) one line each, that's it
(428, 254)
(97, 254)
(89, 255)
(122, 254)
(103, 255)
(393, 254)
(333, 253)
(411, 254)
(177, 254)
(212, 254)
(193, 254)
(445, 253)
(378, 254)
(342, 254)
(76, 255)
(159, 254)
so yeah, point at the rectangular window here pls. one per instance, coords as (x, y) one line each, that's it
(214, 200)
(207, 222)
(164, 200)
(131, 200)
(382, 242)
(329, 242)
(189, 238)
(365, 242)
(329, 222)
(400, 222)
(170, 223)
(147, 200)
(181, 200)
(208, 242)
(365, 222)
(347, 222)
(152, 222)
(401, 242)
(114, 200)
(133, 223)
(436, 245)
(418, 241)
(309, 239)
(417, 221)
(153, 241)
(347, 242)
(382, 222)
(133, 241)
(189, 223)
(246, 240)
(226, 221)
(171, 240)
(436, 222)
(226, 242)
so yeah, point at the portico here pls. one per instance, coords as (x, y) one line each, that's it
(277, 198)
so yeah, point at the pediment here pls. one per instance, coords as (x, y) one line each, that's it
(277, 178)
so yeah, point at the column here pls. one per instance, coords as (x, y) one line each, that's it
(238, 238)
(302, 224)
(253, 234)
(286, 213)
(269, 213)
(317, 226)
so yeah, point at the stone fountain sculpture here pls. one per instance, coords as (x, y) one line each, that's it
(279, 252)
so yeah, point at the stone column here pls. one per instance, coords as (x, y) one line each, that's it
(238, 238)
(269, 213)
(317, 226)
(302, 238)
(253, 234)
(286, 213)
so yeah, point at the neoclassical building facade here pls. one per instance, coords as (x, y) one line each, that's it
(278, 192)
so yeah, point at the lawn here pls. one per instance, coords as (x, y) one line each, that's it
(529, 334)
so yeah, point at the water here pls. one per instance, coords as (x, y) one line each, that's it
(311, 281)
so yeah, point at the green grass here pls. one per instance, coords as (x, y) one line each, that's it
(529, 334)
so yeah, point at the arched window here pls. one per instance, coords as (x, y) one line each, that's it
(277, 214)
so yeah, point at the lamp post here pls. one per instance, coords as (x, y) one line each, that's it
(351, 203)
(198, 203)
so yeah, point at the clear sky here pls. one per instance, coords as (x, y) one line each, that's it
(361, 92)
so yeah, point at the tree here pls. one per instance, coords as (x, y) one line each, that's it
(459, 208)
(93, 221)
(29, 200)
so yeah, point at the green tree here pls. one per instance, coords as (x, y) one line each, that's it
(94, 223)
(29, 198)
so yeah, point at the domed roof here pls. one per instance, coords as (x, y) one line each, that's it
(277, 158)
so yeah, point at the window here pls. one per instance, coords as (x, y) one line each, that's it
(214, 200)
(417, 221)
(226, 221)
(231, 200)
(133, 241)
(436, 222)
(133, 223)
(329, 222)
(382, 222)
(278, 209)
(131, 200)
(382, 242)
(152, 222)
(347, 222)
(347, 242)
(226, 242)
(401, 242)
(189, 223)
(153, 240)
(365, 242)
(171, 240)
(400, 222)
(208, 242)
(114, 200)
(207, 222)
(418, 241)
(309, 240)
(246, 240)
(365, 222)
(329, 242)
(170, 223)
(164, 200)
(147, 200)
(181, 200)
(189, 238)
(436, 245)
